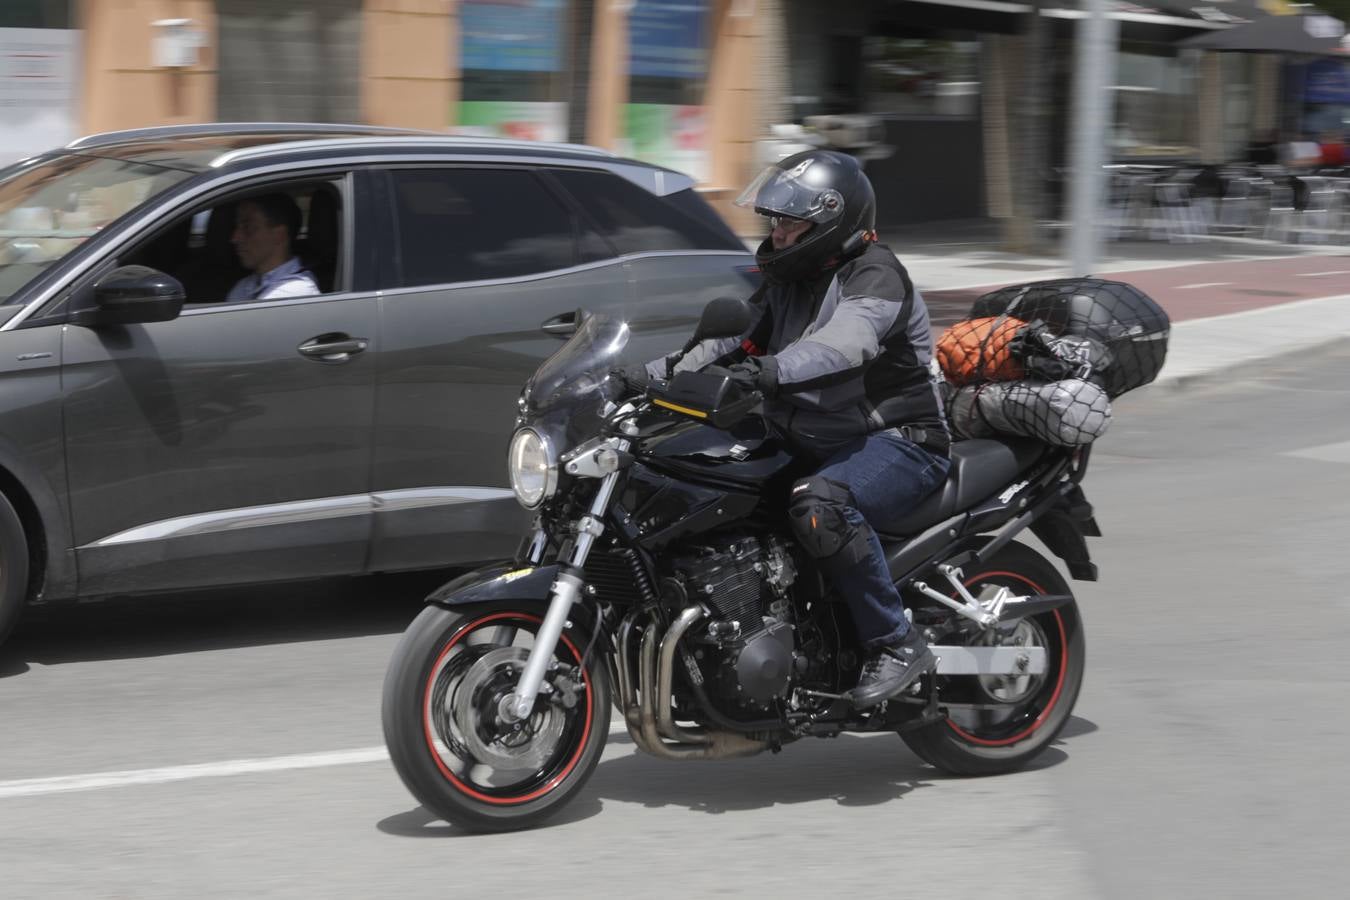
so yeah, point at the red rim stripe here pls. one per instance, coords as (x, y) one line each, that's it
(431, 745)
(1059, 685)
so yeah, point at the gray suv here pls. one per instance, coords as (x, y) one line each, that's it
(154, 436)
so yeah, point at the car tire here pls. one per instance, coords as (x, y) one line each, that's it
(13, 568)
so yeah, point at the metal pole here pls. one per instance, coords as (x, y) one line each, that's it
(1093, 118)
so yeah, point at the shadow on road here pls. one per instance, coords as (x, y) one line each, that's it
(852, 770)
(128, 627)
(422, 823)
(1075, 727)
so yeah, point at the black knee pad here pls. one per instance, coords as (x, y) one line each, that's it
(816, 512)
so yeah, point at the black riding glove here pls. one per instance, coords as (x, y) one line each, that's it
(756, 373)
(635, 377)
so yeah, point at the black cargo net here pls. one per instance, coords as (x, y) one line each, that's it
(1069, 413)
(1078, 342)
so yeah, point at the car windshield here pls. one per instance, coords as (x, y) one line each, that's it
(50, 205)
(579, 369)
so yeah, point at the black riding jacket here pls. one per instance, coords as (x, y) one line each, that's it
(854, 350)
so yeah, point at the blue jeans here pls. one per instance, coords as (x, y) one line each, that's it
(889, 476)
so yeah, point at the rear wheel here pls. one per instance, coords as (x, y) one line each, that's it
(447, 738)
(999, 724)
(13, 568)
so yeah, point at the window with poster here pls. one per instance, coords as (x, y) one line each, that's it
(513, 62)
(1326, 99)
(39, 58)
(938, 75)
(1155, 99)
(665, 121)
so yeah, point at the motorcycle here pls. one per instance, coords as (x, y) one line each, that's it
(661, 577)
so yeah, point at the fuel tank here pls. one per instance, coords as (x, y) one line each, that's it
(747, 455)
(691, 478)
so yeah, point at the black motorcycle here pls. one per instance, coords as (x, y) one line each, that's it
(662, 577)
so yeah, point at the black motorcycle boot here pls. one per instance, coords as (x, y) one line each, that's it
(891, 670)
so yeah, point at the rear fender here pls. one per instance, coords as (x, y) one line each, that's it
(1063, 529)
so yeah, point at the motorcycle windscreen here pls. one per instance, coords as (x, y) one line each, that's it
(579, 372)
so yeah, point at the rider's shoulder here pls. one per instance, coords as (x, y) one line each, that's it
(873, 257)
(874, 272)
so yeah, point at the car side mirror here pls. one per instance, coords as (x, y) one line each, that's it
(131, 295)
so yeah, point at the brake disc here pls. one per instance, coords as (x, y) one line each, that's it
(491, 741)
(1013, 688)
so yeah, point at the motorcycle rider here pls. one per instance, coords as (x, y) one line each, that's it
(840, 349)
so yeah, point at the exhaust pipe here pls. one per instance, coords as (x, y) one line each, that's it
(666, 677)
(653, 675)
(629, 701)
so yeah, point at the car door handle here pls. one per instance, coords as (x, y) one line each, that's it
(564, 325)
(333, 348)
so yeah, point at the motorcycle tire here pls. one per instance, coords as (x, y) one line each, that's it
(971, 746)
(13, 568)
(439, 679)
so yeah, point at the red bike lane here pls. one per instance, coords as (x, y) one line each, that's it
(1198, 290)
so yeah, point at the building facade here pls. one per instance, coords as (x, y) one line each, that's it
(40, 60)
(698, 85)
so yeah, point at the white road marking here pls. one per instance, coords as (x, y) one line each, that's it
(1337, 453)
(28, 787)
(93, 781)
(1203, 284)
(1320, 274)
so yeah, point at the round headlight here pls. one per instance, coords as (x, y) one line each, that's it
(534, 471)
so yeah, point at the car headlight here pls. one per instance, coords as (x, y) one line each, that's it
(534, 468)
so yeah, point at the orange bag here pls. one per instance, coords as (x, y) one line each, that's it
(978, 350)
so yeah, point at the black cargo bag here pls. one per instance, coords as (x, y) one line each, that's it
(1122, 318)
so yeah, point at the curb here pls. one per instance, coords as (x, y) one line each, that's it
(1201, 351)
(1113, 270)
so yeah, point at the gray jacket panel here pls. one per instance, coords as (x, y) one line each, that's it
(853, 354)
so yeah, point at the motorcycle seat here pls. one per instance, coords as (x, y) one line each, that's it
(980, 468)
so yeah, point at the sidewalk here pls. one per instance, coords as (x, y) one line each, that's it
(1231, 301)
(951, 256)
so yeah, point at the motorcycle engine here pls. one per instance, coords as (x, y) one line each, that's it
(747, 651)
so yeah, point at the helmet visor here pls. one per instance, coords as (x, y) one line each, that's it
(785, 192)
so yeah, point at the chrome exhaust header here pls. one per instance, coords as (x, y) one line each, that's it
(649, 713)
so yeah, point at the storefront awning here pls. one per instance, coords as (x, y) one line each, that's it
(1313, 35)
(1173, 17)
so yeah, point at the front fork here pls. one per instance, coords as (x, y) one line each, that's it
(565, 591)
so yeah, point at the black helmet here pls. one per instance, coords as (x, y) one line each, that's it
(824, 187)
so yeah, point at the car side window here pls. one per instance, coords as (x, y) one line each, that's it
(637, 221)
(479, 224)
(214, 252)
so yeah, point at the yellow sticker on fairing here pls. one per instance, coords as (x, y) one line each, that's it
(698, 414)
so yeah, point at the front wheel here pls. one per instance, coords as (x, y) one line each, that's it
(998, 724)
(13, 568)
(445, 733)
